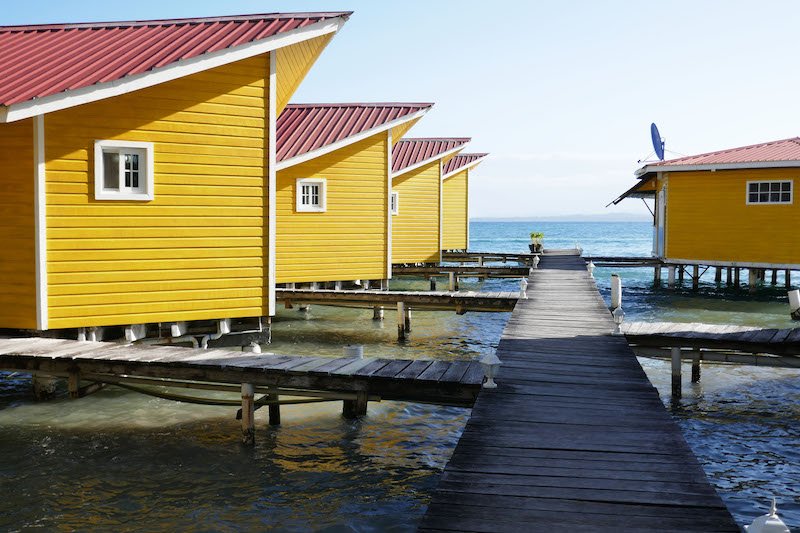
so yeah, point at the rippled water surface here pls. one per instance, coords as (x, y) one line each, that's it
(119, 460)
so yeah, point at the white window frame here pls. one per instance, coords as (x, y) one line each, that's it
(322, 206)
(394, 203)
(144, 150)
(791, 192)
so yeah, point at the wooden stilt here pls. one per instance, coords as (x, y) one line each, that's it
(736, 276)
(695, 277)
(729, 276)
(696, 366)
(355, 408)
(433, 284)
(676, 373)
(752, 276)
(671, 276)
(44, 387)
(788, 275)
(657, 275)
(718, 275)
(377, 312)
(274, 411)
(248, 415)
(74, 385)
(452, 281)
(480, 260)
(401, 321)
(774, 276)
(680, 274)
(407, 319)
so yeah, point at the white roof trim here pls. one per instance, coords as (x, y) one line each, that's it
(313, 154)
(429, 160)
(465, 167)
(179, 69)
(716, 166)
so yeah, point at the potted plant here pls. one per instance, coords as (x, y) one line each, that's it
(537, 238)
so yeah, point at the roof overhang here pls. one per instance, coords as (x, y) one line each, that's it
(465, 167)
(652, 169)
(313, 154)
(636, 192)
(428, 161)
(173, 71)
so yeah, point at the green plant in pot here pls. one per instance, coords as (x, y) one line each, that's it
(537, 242)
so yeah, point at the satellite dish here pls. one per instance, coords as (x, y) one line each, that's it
(658, 143)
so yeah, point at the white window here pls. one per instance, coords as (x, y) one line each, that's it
(311, 195)
(123, 170)
(769, 192)
(394, 203)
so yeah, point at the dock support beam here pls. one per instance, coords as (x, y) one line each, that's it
(671, 276)
(407, 319)
(676, 373)
(718, 275)
(752, 277)
(401, 321)
(680, 274)
(728, 276)
(774, 276)
(696, 366)
(433, 284)
(453, 286)
(788, 275)
(248, 415)
(657, 275)
(377, 312)
(74, 384)
(274, 410)
(695, 277)
(355, 408)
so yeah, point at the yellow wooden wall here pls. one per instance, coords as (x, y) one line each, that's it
(17, 230)
(348, 241)
(415, 230)
(454, 211)
(400, 130)
(199, 249)
(293, 63)
(708, 218)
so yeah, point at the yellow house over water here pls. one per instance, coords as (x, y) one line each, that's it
(733, 208)
(138, 166)
(417, 166)
(455, 200)
(334, 222)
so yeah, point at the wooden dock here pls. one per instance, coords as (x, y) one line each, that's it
(575, 438)
(485, 257)
(500, 271)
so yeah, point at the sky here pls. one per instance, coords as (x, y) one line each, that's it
(561, 93)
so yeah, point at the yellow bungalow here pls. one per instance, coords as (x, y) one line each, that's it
(138, 163)
(333, 184)
(731, 208)
(455, 200)
(416, 199)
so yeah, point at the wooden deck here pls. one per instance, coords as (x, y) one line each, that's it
(439, 382)
(481, 257)
(459, 301)
(696, 335)
(575, 438)
(462, 270)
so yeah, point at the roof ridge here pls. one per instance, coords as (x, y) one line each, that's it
(306, 105)
(175, 21)
(729, 150)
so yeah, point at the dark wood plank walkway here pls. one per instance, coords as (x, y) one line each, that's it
(460, 301)
(439, 382)
(575, 438)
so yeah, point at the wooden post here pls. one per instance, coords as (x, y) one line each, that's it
(680, 274)
(695, 277)
(377, 312)
(407, 319)
(718, 275)
(736, 276)
(728, 276)
(788, 275)
(657, 275)
(248, 415)
(752, 276)
(274, 411)
(355, 408)
(452, 281)
(774, 276)
(671, 276)
(696, 366)
(401, 321)
(480, 260)
(74, 385)
(433, 283)
(676, 373)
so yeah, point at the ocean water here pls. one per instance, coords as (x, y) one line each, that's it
(123, 461)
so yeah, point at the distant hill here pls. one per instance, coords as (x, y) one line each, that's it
(602, 217)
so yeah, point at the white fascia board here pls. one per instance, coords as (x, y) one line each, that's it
(170, 72)
(717, 166)
(429, 160)
(313, 154)
(465, 167)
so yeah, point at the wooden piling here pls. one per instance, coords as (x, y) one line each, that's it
(788, 280)
(729, 276)
(736, 276)
(774, 276)
(696, 366)
(433, 284)
(74, 385)
(401, 321)
(657, 275)
(752, 276)
(407, 318)
(676, 373)
(452, 281)
(718, 275)
(355, 408)
(248, 415)
(695, 277)
(377, 312)
(274, 410)
(671, 276)
(680, 274)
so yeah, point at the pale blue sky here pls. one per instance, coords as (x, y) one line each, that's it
(561, 93)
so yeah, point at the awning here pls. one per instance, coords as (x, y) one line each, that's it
(644, 189)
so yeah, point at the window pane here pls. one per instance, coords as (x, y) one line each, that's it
(753, 187)
(763, 197)
(304, 198)
(786, 186)
(111, 170)
(753, 198)
(764, 187)
(774, 197)
(786, 197)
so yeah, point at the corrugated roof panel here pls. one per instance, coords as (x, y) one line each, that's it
(409, 152)
(44, 60)
(302, 128)
(774, 151)
(460, 161)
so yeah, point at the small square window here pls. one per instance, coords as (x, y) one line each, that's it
(394, 203)
(123, 170)
(311, 195)
(769, 192)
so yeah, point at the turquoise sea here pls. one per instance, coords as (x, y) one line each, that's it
(122, 461)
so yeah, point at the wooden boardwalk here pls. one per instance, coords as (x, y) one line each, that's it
(575, 438)
(500, 271)
(440, 382)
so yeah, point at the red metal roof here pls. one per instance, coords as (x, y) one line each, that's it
(302, 128)
(410, 152)
(774, 151)
(460, 161)
(43, 60)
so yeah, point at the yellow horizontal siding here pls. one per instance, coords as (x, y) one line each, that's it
(198, 250)
(293, 63)
(454, 211)
(415, 230)
(708, 218)
(348, 241)
(17, 230)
